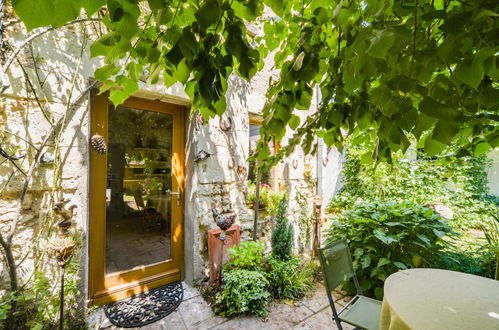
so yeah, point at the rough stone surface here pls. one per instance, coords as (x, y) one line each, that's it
(194, 313)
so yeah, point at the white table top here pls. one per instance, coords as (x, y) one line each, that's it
(439, 299)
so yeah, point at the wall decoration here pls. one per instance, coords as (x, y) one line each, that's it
(224, 223)
(325, 160)
(225, 123)
(98, 143)
(201, 155)
(241, 172)
(198, 120)
(47, 158)
(65, 215)
(307, 170)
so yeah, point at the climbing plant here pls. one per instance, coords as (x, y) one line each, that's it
(392, 69)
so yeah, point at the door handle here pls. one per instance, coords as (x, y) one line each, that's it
(176, 193)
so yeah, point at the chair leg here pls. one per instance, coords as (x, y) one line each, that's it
(335, 314)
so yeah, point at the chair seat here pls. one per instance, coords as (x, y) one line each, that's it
(364, 313)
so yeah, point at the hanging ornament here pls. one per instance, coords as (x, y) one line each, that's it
(241, 172)
(198, 120)
(225, 123)
(201, 155)
(98, 143)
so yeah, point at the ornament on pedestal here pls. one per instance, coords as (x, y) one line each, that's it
(224, 223)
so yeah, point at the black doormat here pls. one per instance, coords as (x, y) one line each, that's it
(145, 308)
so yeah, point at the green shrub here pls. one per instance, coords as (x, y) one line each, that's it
(386, 237)
(478, 262)
(459, 183)
(243, 291)
(282, 235)
(248, 255)
(287, 280)
(269, 198)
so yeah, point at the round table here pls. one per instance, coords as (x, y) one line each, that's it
(439, 299)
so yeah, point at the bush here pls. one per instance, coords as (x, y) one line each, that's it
(287, 280)
(269, 198)
(459, 183)
(386, 237)
(248, 255)
(478, 262)
(243, 291)
(282, 235)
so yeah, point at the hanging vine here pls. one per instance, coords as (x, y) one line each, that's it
(32, 299)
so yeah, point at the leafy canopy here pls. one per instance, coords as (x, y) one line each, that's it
(393, 70)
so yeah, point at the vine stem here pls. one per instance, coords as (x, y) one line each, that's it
(36, 35)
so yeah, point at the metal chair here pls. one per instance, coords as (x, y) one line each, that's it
(336, 264)
(150, 218)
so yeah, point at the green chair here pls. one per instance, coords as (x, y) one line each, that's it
(336, 264)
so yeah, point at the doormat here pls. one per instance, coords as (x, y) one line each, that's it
(145, 308)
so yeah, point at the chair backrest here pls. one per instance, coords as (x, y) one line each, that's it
(139, 201)
(336, 264)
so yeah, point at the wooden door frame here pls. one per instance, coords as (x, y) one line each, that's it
(104, 288)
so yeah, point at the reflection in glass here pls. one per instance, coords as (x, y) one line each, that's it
(254, 138)
(138, 200)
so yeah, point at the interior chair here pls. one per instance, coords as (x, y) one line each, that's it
(337, 267)
(149, 216)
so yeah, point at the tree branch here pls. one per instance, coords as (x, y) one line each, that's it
(29, 174)
(36, 35)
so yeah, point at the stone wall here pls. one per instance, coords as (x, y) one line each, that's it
(59, 70)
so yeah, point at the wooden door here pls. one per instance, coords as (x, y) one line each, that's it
(136, 197)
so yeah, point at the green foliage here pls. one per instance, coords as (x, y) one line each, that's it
(491, 230)
(243, 291)
(283, 233)
(304, 221)
(249, 255)
(396, 70)
(386, 237)
(288, 279)
(251, 278)
(459, 183)
(475, 260)
(269, 198)
(388, 72)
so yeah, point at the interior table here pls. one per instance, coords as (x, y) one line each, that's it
(439, 299)
(161, 204)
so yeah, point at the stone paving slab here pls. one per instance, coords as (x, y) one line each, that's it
(194, 313)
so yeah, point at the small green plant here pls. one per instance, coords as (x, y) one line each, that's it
(243, 291)
(386, 237)
(248, 255)
(269, 198)
(288, 279)
(282, 235)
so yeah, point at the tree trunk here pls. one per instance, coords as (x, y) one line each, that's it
(257, 201)
(11, 265)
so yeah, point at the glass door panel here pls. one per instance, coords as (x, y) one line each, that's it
(138, 188)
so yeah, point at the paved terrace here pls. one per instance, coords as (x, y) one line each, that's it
(194, 313)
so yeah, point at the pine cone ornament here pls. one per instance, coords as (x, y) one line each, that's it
(98, 143)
